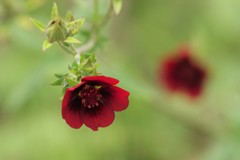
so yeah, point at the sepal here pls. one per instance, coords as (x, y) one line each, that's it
(38, 24)
(71, 40)
(54, 12)
(46, 45)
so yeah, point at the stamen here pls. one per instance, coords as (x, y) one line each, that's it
(90, 96)
(83, 101)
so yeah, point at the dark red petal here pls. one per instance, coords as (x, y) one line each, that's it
(67, 98)
(72, 118)
(102, 116)
(166, 75)
(69, 94)
(117, 98)
(103, 79)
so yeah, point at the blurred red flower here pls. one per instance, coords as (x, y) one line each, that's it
(93, 102)
(181, 73)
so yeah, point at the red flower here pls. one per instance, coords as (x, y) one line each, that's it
(93, 102)
(182, 73)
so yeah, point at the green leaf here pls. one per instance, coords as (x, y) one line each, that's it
(72, 40)
(58, 82)
(59, 75)
(46, 45)
(54, 13)
(117, 6)
(93, 58)
(64, 90)
(82, 58)
(38, 24)
(71, 82)
(89, 69)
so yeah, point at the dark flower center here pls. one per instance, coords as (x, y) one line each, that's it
(188, 74)
(90, 96)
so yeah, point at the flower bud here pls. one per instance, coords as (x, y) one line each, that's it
(56, 30)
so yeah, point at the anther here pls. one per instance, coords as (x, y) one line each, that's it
(83, 101)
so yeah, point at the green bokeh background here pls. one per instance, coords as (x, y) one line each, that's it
(158, 125)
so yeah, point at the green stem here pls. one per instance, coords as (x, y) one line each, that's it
(95, 15)
(96, 27)
(65, 48)
(107, 16)
(72, 46)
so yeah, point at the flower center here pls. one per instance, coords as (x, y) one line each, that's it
(188, 74)
(90, 96)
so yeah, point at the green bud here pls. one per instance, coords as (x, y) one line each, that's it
(56, 30)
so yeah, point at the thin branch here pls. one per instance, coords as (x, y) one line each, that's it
(96, 12)
(95, 28)
(87, 46)
(72, 46)
(107, 16)
(65, 48)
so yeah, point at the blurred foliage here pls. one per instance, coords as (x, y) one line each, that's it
(157, 125)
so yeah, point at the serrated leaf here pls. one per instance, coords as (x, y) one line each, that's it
(46, 45)
(71, 82)
(64, 90)
(58, 82)
(94, 71)
(72, 40)
(54, 13)
(73, 71)
(82, 58)
(38, 24)
(93, 58)
(74, 64)
(117, 6)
